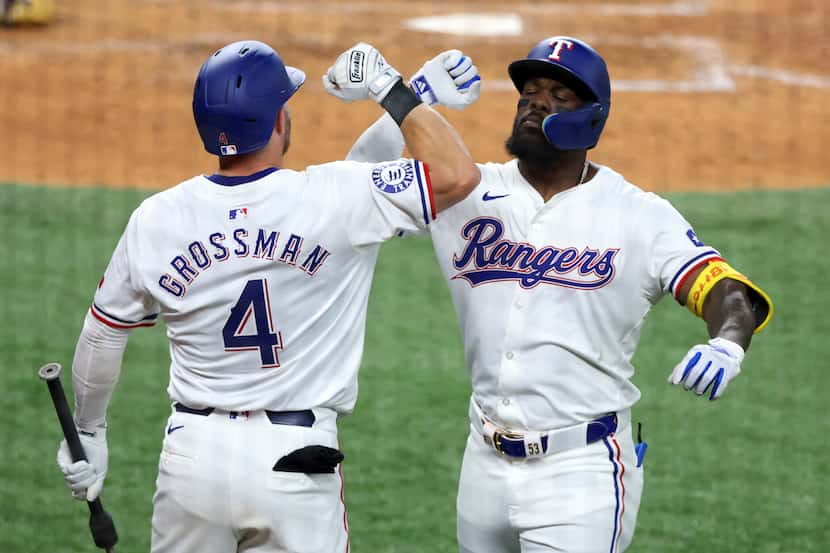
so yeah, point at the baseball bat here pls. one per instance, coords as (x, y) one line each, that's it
(100, 521)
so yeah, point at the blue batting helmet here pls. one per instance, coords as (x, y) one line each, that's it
(238, 94)
(579, 67)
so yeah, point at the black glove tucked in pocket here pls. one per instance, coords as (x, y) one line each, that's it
(312, 459)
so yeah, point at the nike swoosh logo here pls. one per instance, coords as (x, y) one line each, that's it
(487, 197)
(171, 428)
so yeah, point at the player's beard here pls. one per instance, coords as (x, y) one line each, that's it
(530, 145)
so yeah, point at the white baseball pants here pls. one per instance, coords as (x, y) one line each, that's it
(582, 500)
(216, 491)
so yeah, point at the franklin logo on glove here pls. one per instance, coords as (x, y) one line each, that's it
(356, 66)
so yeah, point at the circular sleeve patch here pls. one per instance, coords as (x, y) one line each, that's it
(394, 176)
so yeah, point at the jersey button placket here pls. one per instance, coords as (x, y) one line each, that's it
(509, 373)
(514, 331)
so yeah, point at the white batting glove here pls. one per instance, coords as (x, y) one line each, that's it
(360, 73)
(449, 79)
(85, 478)
(709, 367)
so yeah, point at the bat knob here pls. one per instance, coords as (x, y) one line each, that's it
(50, 371)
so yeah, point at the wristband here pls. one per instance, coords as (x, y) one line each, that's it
(399, 101)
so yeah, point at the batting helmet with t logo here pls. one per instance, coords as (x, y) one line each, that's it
(238, 94)
(579, 67)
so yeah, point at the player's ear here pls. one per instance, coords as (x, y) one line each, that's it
(282, 128)
(282, 120)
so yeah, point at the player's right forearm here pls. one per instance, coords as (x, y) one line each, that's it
(431, 139)
(95, 370)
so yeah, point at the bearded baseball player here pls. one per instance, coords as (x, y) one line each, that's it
(261, 275)
(553, 263)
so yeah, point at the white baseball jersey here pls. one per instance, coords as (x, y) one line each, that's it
(551, 297)
(263, 281)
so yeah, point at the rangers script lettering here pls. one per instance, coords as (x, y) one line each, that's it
(497, 260)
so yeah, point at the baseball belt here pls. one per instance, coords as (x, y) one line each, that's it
(528, 443)
(291, 418)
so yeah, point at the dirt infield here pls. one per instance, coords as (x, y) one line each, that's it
(707, 95)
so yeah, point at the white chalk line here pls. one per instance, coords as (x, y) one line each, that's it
(709, 74)
(780, 75)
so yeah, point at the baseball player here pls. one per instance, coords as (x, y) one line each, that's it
(261, 275)
(553, 263)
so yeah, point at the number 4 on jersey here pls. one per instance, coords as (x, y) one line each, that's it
(255, 301)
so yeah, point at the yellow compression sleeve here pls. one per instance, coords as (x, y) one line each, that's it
(716, 271)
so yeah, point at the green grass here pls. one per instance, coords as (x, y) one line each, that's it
(746, 474)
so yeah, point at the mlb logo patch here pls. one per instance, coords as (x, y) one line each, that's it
(229, 150)
(238, 213)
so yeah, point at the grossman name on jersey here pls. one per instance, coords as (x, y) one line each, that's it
(199, 257)
(489, 258)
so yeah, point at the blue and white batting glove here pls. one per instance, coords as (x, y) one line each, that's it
(709, 367)
(449, 79)
(86, 478)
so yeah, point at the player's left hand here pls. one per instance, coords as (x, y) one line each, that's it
(449, 79)
(709, 367)
(85, 478)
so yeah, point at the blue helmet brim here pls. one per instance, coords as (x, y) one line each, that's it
(521, 71)
(296, 76)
